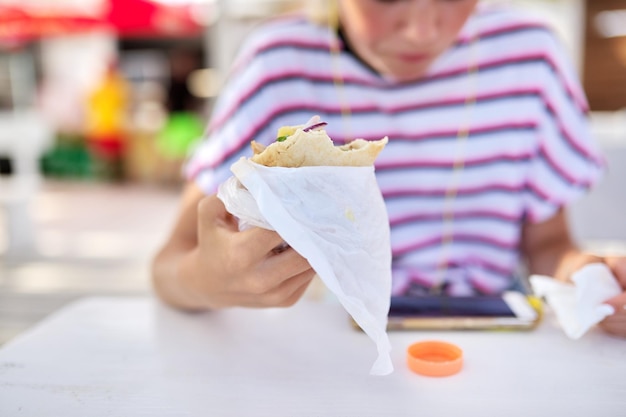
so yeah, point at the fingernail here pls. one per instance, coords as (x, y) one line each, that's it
(280, 248)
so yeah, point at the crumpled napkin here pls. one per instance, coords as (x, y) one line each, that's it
(580, 305)
(336, 218)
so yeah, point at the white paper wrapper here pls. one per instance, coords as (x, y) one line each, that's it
(336, 218)
(580, 305)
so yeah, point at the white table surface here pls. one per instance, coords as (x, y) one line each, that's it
(135, 357)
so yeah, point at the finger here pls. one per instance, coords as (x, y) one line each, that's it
(617, 264)
(211, 211)
(618, 303)
(297, 295)
(267, 275)
(284, 295)
(277, 267)
(260, 241)
(615, 324)
(256, 242)
(294, 288)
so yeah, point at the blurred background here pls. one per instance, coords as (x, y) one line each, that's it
(101, 100)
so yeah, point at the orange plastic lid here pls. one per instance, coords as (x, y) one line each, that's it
(434, 358)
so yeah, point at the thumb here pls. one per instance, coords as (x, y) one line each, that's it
(212, 212)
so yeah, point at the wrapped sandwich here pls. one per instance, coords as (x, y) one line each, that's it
(324, 201)
(309, 145)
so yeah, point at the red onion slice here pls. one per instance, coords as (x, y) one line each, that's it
(315, 126)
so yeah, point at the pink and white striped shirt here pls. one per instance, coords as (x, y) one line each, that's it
(529, 150)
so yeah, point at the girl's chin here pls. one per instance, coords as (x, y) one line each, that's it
(407, 73)
(405, 77)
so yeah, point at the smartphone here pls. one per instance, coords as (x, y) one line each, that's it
(509, 311)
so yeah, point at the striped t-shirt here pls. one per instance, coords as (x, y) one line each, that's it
(528, 152)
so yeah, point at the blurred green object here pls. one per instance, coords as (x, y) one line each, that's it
(69, 158)
(181, 131)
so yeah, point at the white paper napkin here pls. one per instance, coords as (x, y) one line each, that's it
(336, 218)
(580, 305)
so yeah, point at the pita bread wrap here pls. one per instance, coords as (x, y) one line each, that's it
(311, 146)
(325, 203)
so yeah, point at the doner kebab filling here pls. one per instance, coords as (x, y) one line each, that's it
(309, 145)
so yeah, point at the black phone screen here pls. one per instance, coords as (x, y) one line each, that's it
(442, 306)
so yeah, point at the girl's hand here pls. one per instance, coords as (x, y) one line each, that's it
(233, 268)
(616, 323)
